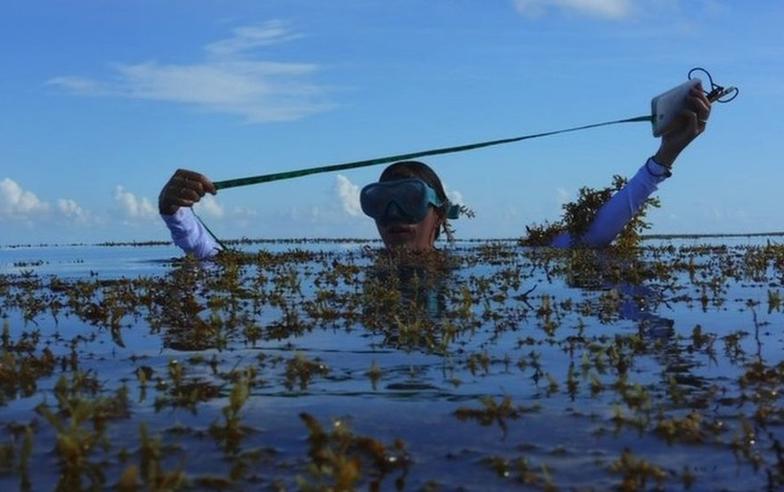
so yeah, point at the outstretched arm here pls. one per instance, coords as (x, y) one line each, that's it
(181, 192)
(622, 207)
(619, 210)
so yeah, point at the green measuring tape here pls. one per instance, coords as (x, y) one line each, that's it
(717, 93)
(266, 178)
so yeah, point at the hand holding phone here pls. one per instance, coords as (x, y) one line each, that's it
(682, 114)
(667, 108)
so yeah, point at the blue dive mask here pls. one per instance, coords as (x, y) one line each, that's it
(408, 198)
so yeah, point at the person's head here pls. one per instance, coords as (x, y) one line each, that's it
(409, 205)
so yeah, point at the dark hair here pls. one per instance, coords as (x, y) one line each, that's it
(416, 169)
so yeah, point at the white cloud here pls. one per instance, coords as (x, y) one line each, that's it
(19, 204)
(229, 80)
(210, 207)
(607, 9)
(16, 203)
(454, 196)
(243, 217)
(243, 213)
(247, 38)
(73, 211)
(308, 214)
(79, 85)
(134, 207)
(348, 193)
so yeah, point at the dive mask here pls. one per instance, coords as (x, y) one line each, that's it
(411, 197)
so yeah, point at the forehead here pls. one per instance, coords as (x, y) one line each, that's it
(392, 180)
(403, 174)
(398, 174)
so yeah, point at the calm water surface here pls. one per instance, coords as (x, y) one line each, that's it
(501, 367)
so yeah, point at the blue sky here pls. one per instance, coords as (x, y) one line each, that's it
(103, 100)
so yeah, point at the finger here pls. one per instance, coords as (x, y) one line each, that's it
(178, 183)
(196, 186)
(178, 201)
(700, 103)
(209, 186)
(704, 98)
(699, 106)
(184, 203)
(693, 125)
(187, 173)
(182, 192)
(200, 178)
(188, 194)
(704, 103)
(206, 184)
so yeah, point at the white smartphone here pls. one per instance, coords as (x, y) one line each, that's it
(666, 107)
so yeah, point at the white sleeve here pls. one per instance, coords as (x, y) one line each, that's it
(620, 209)
(190, 235)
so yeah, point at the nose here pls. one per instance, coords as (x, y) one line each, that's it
(394, 213)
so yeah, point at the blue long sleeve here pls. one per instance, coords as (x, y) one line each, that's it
(619, 210)
(190, 235)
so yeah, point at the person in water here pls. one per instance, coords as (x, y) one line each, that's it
(410, 206)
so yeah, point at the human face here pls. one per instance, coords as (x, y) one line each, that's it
(396, 233)
(404, 211)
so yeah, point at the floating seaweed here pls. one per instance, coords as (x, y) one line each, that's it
(674, 346)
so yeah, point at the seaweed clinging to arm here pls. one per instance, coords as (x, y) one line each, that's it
(575, 226)
(599, 217)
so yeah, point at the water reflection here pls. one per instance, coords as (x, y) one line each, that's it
(490, 384)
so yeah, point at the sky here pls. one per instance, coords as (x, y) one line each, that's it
(101, 101)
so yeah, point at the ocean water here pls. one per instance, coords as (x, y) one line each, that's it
(324, 365)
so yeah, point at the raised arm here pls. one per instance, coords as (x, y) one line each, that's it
(179, 194)
(621, 208)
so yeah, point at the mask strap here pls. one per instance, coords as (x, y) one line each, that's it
(452, 211)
